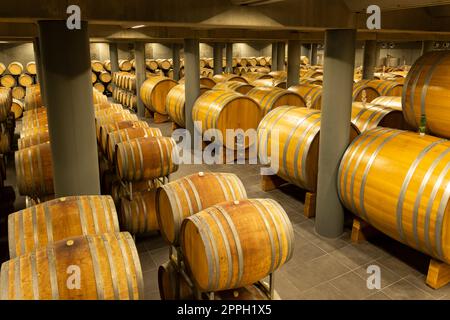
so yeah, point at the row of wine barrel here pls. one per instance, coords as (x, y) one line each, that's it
(103, 76)
(125, 97)
(76, 235)
(11, 81)
(16, 68)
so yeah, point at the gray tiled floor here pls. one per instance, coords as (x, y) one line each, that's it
(320, 268)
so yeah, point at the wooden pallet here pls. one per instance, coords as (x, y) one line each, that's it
(438, 274)
(269, 183)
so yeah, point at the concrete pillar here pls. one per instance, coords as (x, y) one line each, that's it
(274, 66)
(369, 59)
(114, 57)
(229, 57)
(176, 61)
(67, 78)
(139, 56)
(39, 70)
(293, 69)
(192, 80)
(339, 63)
(313, 58)
(218, 58)
(281, 55)
(306, 50)
(427, 46)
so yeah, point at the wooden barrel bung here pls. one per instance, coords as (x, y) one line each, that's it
(222, 110)
(187, 196)
(413, 173)
(366, 116)
(232, 245)
(154, 93)
(108, 267)
(270, 98)
(298, 138)
(58, 219)
(146, 158)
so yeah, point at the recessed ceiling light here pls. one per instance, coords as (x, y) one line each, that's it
(138, 26)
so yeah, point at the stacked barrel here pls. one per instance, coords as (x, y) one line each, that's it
(70, 248)
(222, 244)
(124, 91)
(153, 94)
(101, 76)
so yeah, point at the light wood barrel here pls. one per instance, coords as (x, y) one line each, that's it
(5, 103)
(38, 138)
(34, 170)
(222, 250)
(18, 92)
(368, 116)
(138, 216)
(125, 65)
(105, 77)
(426, 92)
(175, 103)
(108, 264)
(154, 93)
(222, 110)
(391, 102)
(8, 81)
(385, 87)
(127, 134)
(5, 142)
(97, 66)
(270, 98)
(167, 277)
(118, 190)
(93, 77)
(275, 82)
(164, 64)
(228, 77)
(38, 122)
(252, 76)
(187, 196)
(15, 68)
(2, 68)
(311, 94)
(239, 87)
(364, 93)
(262, 61)
(25, 80)
(99, 86)
(412, 171)
(17, 108)
(151, 64)
(113, 118)
(111, 127)
(107, 65)
(58, 219)
(33, 99)
(298, 144)
(279, 74)
(34, 112)
(145, 158)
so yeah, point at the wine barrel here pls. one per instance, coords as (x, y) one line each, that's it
(279, 74)
(274, 82)
(108, 266)
(154, 93)
(25, 80)
(2, 68)
(33, 99)
(17, 108)
(34, 112)
(105, 77)
(412, 171)
(97, 66)
(98, 97)
(151, 64)
(8, 81)
(222, 110)
(107, 65)
(228, 77)
(368, 116)
(222, 250)
(390, 102)
(385, 87)
(93, 77)
(363, 93)
(239, 87)
(145, 158)
(125, 65)
(252, 76)
(111, 127)
(167, 277)
(175, 103)
(187, 196)
(58, 219)
(270, 98)
(164, 64)
(38, 122)
(113, 118)
(262, 61)
(99, 86)
(34, 170)
(204, 82)
(138, 216)
(109, 108)
(127, 134)
(38, 138)
(18, 92)
(15, 68)
(311, 93)
(5, 103)
(298, 144)
(33, 131)
(425, 94)
(5, 142)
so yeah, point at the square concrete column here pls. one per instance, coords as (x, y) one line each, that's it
(176, 61)
(339, 63)
(427, 46)
(281, 55)
(67, 78)
(274, 66)
(293, 69)
(218, 58)
(229, 57)
(313, 58)
(139, 56)
(192, 80)
(306, 50)
(114, 57)
(39, 70)
(369, 59)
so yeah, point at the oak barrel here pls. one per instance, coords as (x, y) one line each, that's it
(17, 108)
(275, 82)
(228, 77)
(25, 80)
(31, 67)
(270, 98)
(154, 93)
(368, 116)
(311, 94)
(138, 216)
(385, 87)
(239, 87)
(15, 68)
(8, 81)
(388, 101)
(115, 126)
(364, 93)
(29, 141)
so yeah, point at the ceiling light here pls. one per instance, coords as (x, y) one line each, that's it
(138, 26)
